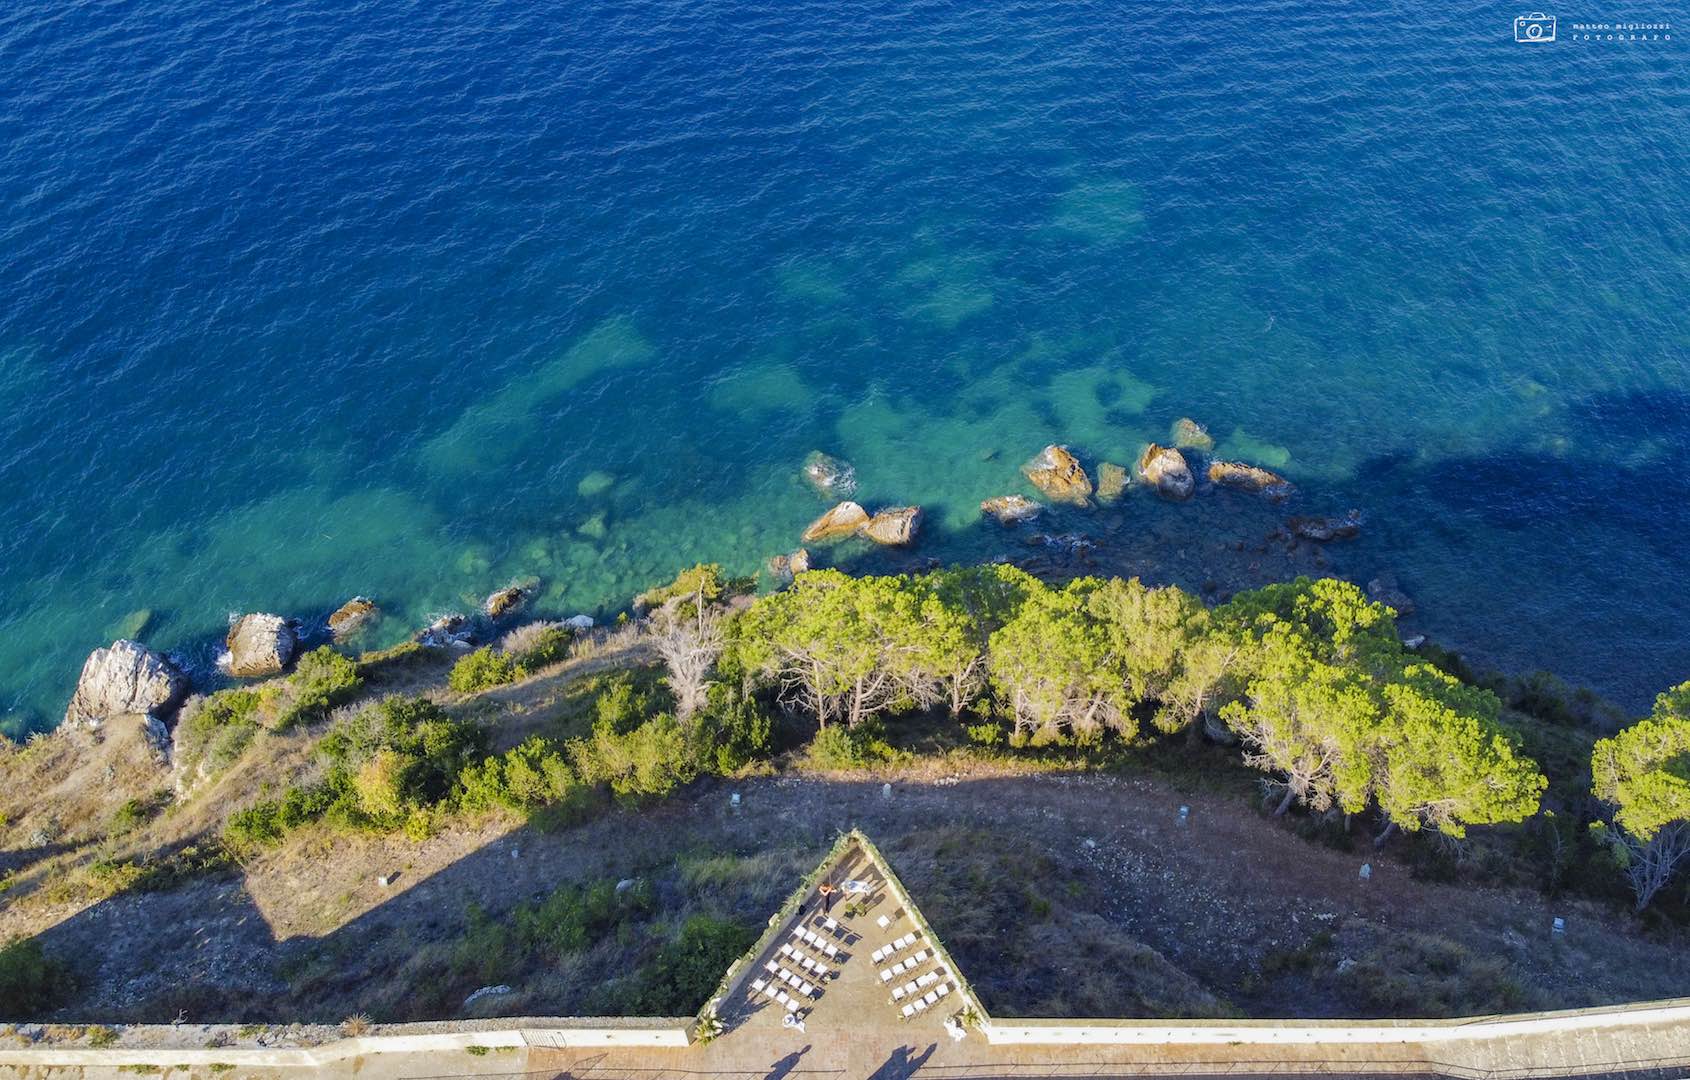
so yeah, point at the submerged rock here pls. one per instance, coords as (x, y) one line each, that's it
(259, 644)
(1242, 477)
(1188, 434)
(1164, 468)
(595, 527)
(133, 625)
(596, 482)
(507, 601)
(1111, 481)
(352, 616)
(1058, 474)
(125, 678)
(1385, 590)
(894, 527)
(831, 477)
(783, 568)
(1322, 529)
(842, 521)
(1011, 509)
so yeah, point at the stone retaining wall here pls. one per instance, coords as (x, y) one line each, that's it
(497, 1049)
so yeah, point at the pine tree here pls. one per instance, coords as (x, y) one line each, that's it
(1643, 773)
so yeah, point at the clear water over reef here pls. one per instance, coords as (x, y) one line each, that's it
(301, 299)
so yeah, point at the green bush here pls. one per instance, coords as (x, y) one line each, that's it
(267, 822)
(322, 680)
(730, 732)
(391, 766)
(133, 814)
(215, 731)
(839, 747)
(649, 762)
(31, 983)
(623, 704)
(526, 650)
(683, 973)
(529, 776)
(483, 669)
(572, 918)
(538, 645)
(705, 579)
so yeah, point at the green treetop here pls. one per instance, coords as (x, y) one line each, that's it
(1054, 667)
(1312, 721)
(1444, 759)
(1644, 771)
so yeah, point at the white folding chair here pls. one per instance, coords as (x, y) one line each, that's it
(883, 922)
(886, 976)
(909, 1011)
(758, 985)
(793, 1005)
(920, 1005)
(784, 998)
(932, 997)
(877, 955)
(920, 956)
(772, 968)
(897, 993)
(821, 971)
(832, 953)
(943, 989)
(830, 924)
(807, 989)
(806, 963)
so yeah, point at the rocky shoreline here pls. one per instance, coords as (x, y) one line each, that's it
(1073, 523)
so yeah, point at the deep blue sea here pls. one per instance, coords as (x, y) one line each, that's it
(307, 298)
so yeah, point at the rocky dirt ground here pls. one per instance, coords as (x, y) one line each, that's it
(1059, 894)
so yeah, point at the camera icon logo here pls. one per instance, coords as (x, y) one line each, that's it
(1534, 28)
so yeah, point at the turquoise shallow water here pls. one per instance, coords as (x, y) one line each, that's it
(300, 300)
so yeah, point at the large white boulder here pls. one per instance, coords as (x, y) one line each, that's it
(126, 678)
(259, 645)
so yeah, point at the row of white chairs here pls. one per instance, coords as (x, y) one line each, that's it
(908, 963)
(816, 942)
(927, 1001)
(774, 993)
(885, 952)
(792, 979)
(814, 967)
(916, 986)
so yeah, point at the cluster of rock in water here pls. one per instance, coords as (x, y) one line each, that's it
(127, 678)
(1061, 478)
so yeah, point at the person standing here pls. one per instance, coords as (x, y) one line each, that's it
(827, 890)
